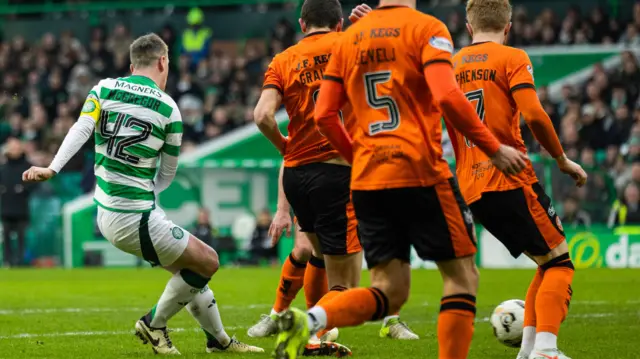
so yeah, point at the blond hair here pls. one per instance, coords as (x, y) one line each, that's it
(146, 50)
(488, 15)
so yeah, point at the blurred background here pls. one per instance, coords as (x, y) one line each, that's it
(585, 56)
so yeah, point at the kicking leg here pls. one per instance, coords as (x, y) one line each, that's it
(204, 309)
(197, 264)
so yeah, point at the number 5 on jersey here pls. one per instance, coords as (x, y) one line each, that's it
(476, 96)
(378, 102)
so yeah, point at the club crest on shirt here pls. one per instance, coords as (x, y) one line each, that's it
(89, 106)
(177, 233)
(441, 43)
(530, 69)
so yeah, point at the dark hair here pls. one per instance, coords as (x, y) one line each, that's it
(321, 13)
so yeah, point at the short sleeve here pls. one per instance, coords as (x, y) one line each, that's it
(437, 45)
(520, 71)
(334, 70)
(273, 77)
(91, 107)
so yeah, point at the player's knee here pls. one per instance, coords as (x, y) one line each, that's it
(461, 276)
(211, 263)
(302, 252)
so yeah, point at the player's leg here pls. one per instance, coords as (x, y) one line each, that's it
(152, 237)
(292, 278)
(315, 279)
(336, 231)
(204, 309)
(530, 226)
(551, 252)
(192, 269)
(293, 272)
(512, 228)
(447, 236)
(387, 252)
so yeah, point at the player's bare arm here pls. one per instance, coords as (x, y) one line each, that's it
(282, 219)
(264, 116)
(542, 128)
(462, 116)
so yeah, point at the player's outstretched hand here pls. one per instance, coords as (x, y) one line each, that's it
(359, 12)
(37, 174)
(509, 160)
(572, 169)
(281, 222)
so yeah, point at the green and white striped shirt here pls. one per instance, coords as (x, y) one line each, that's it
(136, 124)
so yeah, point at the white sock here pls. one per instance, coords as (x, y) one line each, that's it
(317, 319)
(546, 340)
(204, 309)
(387, 319)
(177, 294)
(273, 312)
(528, 340)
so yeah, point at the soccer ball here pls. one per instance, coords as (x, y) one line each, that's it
(507, 321)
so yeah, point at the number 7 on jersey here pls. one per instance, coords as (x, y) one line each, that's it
(477, 97)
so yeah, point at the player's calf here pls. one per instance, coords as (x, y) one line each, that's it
(553, 298)
(457, 307)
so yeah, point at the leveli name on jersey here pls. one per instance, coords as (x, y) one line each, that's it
(135, 123)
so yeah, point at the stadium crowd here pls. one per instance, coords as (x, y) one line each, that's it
(44, 84)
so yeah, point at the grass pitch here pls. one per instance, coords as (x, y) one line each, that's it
(89, 313)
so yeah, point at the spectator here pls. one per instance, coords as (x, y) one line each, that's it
(14, 202)
(196, 38)
(203, 229)
(627, 210)
(573, 215)
(261, 248)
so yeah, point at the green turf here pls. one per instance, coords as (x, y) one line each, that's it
(90, 314)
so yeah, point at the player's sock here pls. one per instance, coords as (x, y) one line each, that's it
(329, 296)
(529, 331)
(204, 309)
(552, 301)
(315, 281)
(349, 308)
(180, 290)
(291, 280)
(455, 325)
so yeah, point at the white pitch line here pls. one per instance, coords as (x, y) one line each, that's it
(26, 311)
(128, 332)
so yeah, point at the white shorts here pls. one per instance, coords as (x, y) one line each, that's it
(149, 235)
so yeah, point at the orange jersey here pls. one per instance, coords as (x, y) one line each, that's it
(396, 127)
(488, 73)
(297, 73)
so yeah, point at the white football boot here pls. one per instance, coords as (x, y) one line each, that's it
(234, 346)
(547, 354)
(266, 327)
(157, 337)
(395, 329)
(330, 336)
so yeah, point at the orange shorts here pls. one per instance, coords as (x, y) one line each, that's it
(523, 219)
